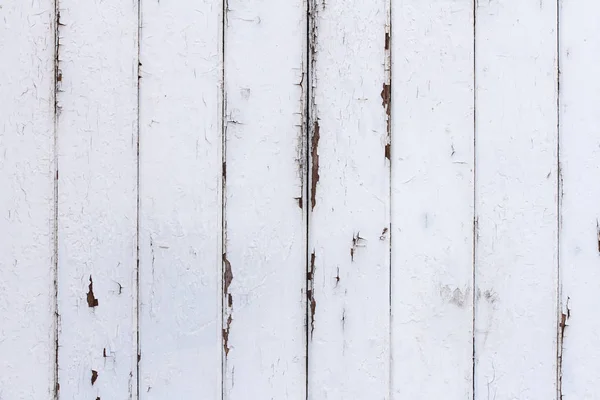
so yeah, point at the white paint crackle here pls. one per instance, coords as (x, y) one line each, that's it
(304, 199)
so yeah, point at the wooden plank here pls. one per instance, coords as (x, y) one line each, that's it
(516, 200)
(180, 200)
(265, 246)
(580, 211)
(349, 310)
(432, 200)
(97, 203)
(27, 302)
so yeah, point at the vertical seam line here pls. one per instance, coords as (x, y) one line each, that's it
(56, 79)
(222, 295)
(559, 328)
(137, 272)
(475, 219)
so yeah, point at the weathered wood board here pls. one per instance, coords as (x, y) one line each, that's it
(432, 199)
(349, 207)
(27, 225)
(579, 327)
(264, 256)
(516, 258)
(180, 199)
(97, 198)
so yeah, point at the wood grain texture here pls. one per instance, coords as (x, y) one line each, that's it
(97, 199)
(27, 331)
(265, 237)
(516, 200)
(349, 242)
(180, 199)
(432, 200)
(580, 210)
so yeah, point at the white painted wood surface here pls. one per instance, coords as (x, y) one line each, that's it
(516, 200)
(580, 211)
(180, 199)
(432, 193)
(97, 199)
(264, 258)
(318, 198)
(349, 192)
(27, 301)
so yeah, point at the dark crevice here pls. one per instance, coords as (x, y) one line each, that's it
(559, 187)
(314, 155)
(475, 220)
(56, 89)
(225, 282)
(311, 173)
(138, 173)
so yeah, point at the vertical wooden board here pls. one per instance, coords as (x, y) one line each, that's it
(27, 331)
(432, 200)
(516, 200)
(180, 199)
(97, 198)
(580, 210)
(265, 227)
(349, 223)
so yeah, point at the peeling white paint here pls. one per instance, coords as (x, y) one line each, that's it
(334, 200)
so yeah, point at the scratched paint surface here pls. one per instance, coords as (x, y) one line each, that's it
(180, 200)
(299, 199)
(432, 192)
(516, 200)
(27, 329)
(97, 185)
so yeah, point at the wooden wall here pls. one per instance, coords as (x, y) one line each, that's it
(300, 199)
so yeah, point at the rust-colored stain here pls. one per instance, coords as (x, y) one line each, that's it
(94, 376)
(227, 274)
(226, 336)
(310, 292)
(564, 317)
(227, 279)
(314, 154)
(387, 40)
(598, 234)
(91, 299)
(386, 100)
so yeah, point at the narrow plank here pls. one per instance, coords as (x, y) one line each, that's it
(432, 200)
(180, 200)
(27, 329)
(516, 199)
(349, 241)
(97, 203)
(580, 211)
(265, 238)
